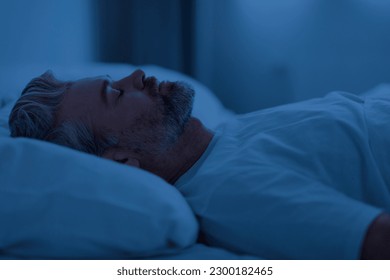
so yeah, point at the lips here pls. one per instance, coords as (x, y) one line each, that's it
(152, 84)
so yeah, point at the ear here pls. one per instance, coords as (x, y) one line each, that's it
(121, 156)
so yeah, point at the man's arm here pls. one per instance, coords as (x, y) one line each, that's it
(376, 245)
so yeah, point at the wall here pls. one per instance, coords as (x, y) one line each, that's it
(257, 54)
(253, 54)
(46, 31)
(145, 32)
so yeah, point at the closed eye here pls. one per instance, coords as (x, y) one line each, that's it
(108, 88)
(121, 92)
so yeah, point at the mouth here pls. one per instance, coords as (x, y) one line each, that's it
(157, 87)
(151, 83)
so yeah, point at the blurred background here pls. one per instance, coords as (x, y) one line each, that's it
(252, 53)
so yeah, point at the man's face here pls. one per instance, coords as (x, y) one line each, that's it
(145, 115)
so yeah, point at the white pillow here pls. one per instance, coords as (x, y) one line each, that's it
(56, 203)
(59, 203)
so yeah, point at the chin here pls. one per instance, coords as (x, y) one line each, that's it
(180, 102)
(178, 110)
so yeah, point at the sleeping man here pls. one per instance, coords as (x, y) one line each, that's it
(308, 180)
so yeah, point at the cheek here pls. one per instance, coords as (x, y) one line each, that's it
(139, 113)
(78, 110)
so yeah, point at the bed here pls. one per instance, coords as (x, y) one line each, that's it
(56, 203)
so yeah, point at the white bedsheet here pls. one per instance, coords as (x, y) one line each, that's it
(200, 251)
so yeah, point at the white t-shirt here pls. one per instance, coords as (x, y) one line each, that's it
(300, 181)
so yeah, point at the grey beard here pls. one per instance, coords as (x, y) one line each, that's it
(178, 109)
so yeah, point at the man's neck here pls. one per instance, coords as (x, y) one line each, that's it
(190, 147)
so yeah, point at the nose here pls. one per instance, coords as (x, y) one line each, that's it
(135, 81)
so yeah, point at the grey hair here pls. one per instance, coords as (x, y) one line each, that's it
(34, 115)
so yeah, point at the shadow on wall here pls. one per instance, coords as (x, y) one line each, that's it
(266, 53)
